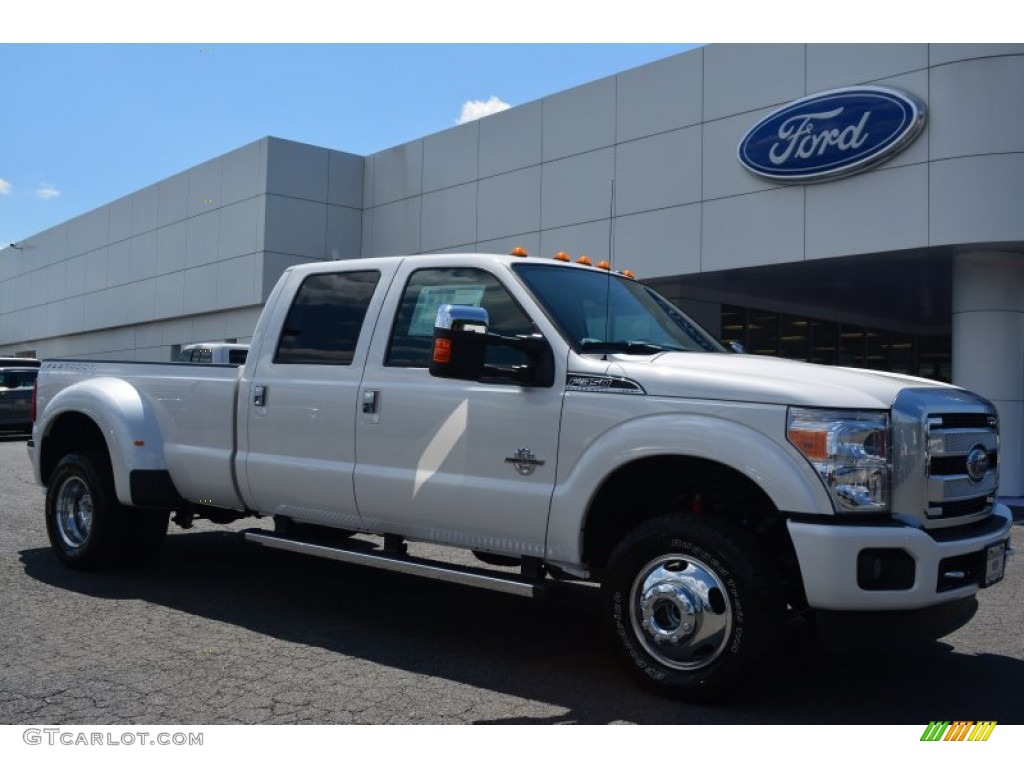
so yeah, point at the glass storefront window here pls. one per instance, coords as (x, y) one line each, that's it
(820, 341)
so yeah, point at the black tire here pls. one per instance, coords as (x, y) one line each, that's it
(83, 514)
(89, 529)
(693, 606)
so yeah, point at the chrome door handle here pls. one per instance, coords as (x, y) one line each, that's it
(259, 395)
(371, 401)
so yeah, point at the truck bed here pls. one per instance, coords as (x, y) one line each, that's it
(183, 414)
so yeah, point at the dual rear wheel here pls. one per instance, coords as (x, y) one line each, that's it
(88, 527)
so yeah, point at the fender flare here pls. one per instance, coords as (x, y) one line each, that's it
(785, 477)
(123, 417)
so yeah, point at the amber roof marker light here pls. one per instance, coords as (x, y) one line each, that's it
(518, 251)
(562, 256)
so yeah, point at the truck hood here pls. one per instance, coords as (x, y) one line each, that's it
(753, 378)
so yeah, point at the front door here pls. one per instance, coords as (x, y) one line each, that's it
(466, 463)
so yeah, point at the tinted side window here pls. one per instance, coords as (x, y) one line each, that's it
(236, 356)
(412, 336)
(324, 321)
(204, 355)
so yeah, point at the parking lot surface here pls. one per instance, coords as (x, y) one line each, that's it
(216, 631)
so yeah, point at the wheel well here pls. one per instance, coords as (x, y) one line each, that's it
(650, 487)
(70, 433)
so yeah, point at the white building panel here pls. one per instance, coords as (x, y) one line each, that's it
(450, 157)
(743, 78)
(835, 66)
(145, 210)
(579, 120)
(344, 232)
(204, 187)
(659, 97)
(752, 230)
(398, 173)
(297, 170)
(95, 266)
(239, 226)
(659, 243)
(294, 226)
(511, 140)
(170, 292)
(449, 218)
(590, 239)
(981, 107)
(976, 199)
(577, 189)
(244, 175)
(171, 247)
(509, 204)
(658, 172)
(855, 215)
(172, 199)
(721, 172)
(200, 291)
(142, 255)
(120, 224)
(345, 180)
(396, 228)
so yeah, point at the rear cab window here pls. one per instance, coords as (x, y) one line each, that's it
(325, 319)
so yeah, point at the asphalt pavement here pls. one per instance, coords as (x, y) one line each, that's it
(216, 631)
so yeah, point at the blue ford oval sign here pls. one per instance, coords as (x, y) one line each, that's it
(832, 134)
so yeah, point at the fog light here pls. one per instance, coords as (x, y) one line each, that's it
(885, 569)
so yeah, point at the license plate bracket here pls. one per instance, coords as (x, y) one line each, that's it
(995, 563)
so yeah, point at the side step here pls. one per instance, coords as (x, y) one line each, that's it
(401, 563)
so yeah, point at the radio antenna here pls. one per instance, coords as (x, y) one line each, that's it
(611, 265)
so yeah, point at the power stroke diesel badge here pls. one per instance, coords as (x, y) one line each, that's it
(525, 461)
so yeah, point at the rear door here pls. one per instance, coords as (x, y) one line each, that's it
(297, 447)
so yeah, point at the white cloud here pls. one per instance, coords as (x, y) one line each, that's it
(5, 187)
(474, 110)
(47, 191)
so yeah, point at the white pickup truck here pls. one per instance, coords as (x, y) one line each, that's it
(560, 418)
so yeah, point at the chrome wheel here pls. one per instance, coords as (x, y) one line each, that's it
(681, 611)
(73, 513)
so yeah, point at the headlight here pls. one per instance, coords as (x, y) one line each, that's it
(850, 452)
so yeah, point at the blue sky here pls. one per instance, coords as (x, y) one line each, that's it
(103, 98)
(85, 124)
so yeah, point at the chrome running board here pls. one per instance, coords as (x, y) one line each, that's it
(401, 563)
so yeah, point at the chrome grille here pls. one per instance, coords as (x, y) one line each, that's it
(946, 467)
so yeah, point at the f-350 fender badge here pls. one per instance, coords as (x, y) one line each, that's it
(525, 461)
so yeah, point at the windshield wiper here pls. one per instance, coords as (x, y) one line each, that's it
(637, 347)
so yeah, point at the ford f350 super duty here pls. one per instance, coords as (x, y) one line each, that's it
(560, 417)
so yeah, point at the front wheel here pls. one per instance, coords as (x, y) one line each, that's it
(693, 606)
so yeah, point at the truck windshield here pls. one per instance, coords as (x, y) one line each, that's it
(602, 312)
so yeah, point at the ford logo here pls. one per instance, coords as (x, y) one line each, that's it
(977, 463)
(832, 134)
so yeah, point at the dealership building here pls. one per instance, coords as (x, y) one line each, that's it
(855, 205)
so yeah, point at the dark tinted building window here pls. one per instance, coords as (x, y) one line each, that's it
(324, 321)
